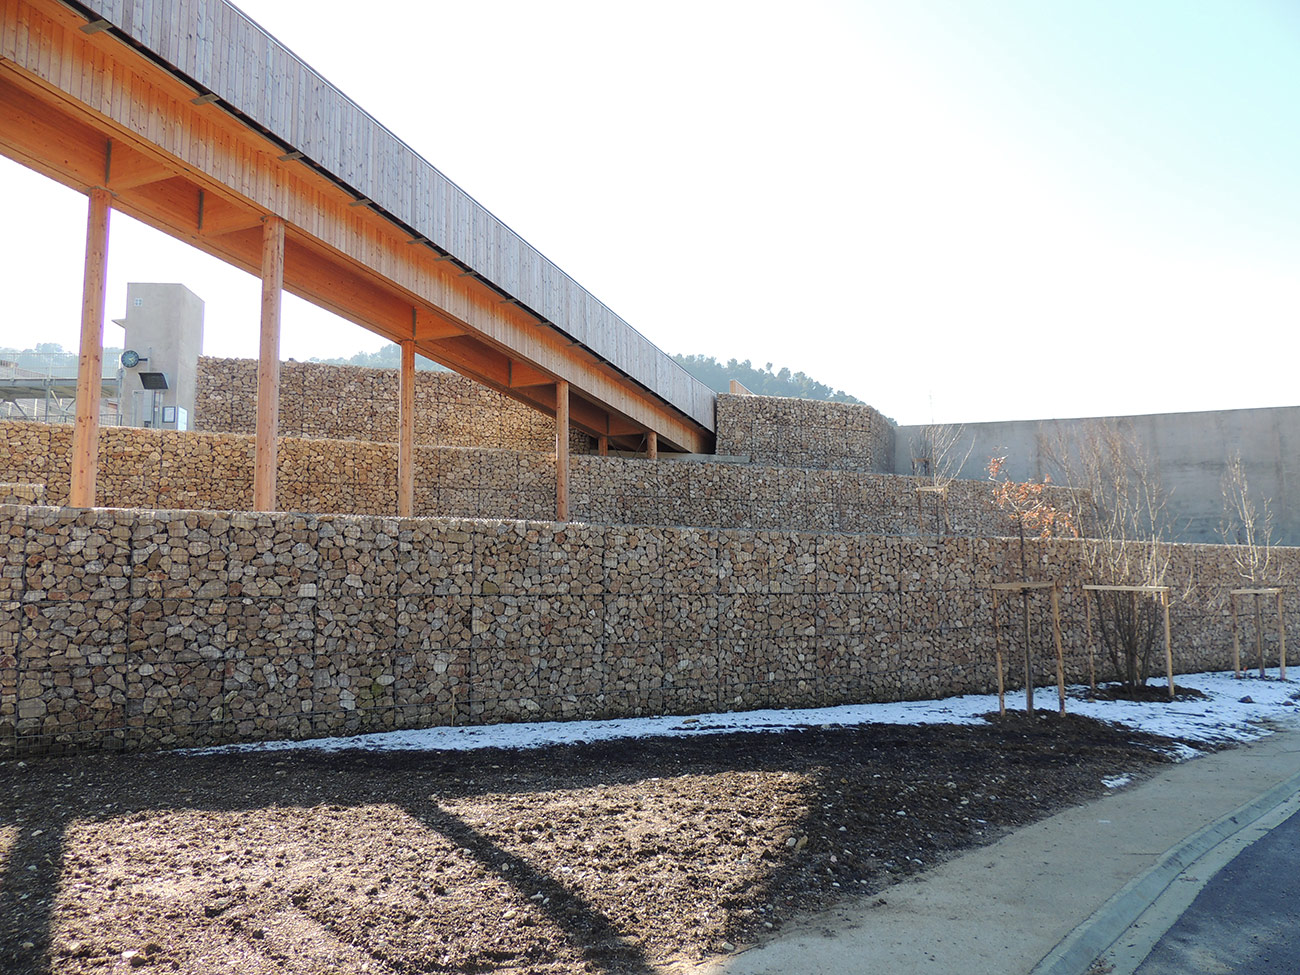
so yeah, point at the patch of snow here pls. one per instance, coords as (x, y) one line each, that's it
(1221, 718)
(1116, 781)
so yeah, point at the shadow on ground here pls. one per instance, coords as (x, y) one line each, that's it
(604, 858)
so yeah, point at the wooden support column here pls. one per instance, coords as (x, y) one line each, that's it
(406, 432)
(602, 446)
(90, 368)
(652, 445)
(561, 451)
(268, 366)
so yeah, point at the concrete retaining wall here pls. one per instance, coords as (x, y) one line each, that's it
(127, 628)
(1189, 451)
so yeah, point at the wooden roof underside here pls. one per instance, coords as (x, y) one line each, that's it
(201, 125)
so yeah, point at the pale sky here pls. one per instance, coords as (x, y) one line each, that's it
(956, 210)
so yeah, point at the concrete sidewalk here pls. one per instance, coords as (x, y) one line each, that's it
(1049, 889)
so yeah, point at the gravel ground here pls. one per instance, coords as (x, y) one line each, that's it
(618, 857)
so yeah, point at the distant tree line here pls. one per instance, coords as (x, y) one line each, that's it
(714, 374)
(764, 382)
(37, 359)
(388, 357)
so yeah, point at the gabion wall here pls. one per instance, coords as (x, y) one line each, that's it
(164, 469)
(347, 402)
(131, 628)
(805, 433)
(352, 403)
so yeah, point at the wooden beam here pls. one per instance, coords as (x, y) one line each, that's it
(90, 367)
(218, 217)
(618, 427)
(583, 415)
(128, 169)
(478, 359)
(268, 366)
(602, 445)
(430, 326)
(60, 147)
(1137, 589)
(522, 374)
(652, 445)
(562, 451)
(406, 432)
(175, 199)
(369, 303)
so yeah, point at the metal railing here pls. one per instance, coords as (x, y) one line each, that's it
(51, 365)
(53, 377)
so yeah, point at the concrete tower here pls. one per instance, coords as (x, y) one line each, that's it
(164, 335)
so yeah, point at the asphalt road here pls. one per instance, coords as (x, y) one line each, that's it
(1246, 920)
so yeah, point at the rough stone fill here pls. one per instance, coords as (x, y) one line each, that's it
(167, 470)
(805, 433)
(22, 493)
(134, 628)
(319, 401)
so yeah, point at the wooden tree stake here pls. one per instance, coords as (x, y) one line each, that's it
(1060, 651)
(1259, 635)
(1236, 636)
(997, 650)
(1136, 607)
(1281, 637)
(1169, 647)
(1029, 661)
(1087, 635)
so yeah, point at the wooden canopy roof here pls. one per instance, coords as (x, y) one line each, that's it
(201, 124)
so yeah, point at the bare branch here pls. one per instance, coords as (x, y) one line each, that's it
(1246, 526)
(937, 452)
(1122, 506)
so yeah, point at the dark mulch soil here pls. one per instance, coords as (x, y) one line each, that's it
(1147, 693)
(616, 857)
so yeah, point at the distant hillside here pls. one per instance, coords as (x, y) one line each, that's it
(389, 357)
(714, 374)
(717, 376)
